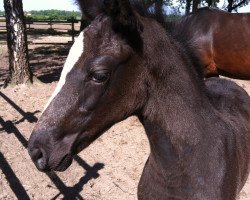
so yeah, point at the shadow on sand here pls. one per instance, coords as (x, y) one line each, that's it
(47, 61)
(8, 127)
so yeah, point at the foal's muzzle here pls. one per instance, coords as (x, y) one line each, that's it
(37, 150)
(49, 154)
(39, 157)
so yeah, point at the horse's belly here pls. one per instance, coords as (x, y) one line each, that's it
(232, 55)
(235, 68)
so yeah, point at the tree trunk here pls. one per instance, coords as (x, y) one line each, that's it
(195, 5)
(230, 6)
(159, 11)
(19, 69)
(188, 5)
(209, 3)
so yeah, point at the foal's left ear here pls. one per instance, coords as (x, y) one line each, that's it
(125, 22)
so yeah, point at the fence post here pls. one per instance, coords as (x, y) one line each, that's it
(50, 23)
(73, 29)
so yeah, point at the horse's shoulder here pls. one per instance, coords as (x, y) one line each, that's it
(228, 97)
(226, 88)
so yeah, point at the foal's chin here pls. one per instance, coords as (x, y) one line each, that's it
(64, 164)
(61, 164)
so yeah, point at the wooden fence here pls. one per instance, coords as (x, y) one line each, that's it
(2, 24)
(70, 27)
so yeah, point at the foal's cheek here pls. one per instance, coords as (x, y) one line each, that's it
(91, 96)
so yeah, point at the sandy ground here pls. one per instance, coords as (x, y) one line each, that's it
(108, 169)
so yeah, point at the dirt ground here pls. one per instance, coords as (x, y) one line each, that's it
(108, 169)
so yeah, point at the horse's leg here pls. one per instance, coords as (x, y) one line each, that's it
(205, 53)
(208, 63)
(143, 186)
(151, 185)
(210, 70)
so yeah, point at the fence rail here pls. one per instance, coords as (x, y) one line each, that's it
(58, 27)
(2, 24)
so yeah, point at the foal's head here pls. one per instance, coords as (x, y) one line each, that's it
(103, 82)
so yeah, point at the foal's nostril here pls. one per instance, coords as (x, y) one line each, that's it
(39, 158)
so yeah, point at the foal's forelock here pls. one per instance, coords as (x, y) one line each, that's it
(74, 54)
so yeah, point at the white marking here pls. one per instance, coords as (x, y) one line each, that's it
(74, 55)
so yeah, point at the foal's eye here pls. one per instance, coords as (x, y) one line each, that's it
(100, 77)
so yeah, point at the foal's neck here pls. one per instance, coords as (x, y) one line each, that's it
(177, 105)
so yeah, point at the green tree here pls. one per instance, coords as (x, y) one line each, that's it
(54, 15)
(232, 4)
(235, 4)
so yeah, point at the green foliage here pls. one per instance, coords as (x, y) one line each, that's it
(53, 15)
(2, 13)
(173, 17)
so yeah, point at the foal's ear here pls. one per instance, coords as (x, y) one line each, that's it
(91, 8)
(125, 22)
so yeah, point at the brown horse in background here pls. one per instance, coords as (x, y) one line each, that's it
(220, 41)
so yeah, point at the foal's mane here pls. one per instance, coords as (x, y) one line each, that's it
(140, 7)
(172, 28)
